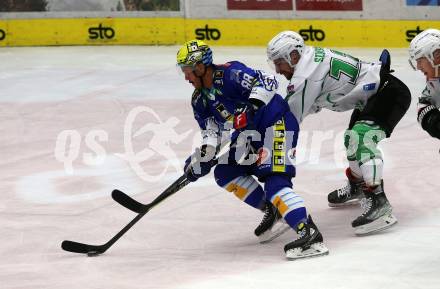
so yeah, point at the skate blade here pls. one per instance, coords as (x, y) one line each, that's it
(273, 233)
(346, 204)
(378, 225)
(315, 250)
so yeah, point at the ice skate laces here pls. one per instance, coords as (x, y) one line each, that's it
(366, 204)
(345, 191)
(268, 214)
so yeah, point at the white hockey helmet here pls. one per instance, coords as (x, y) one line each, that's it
(283, 44)
(424, 45)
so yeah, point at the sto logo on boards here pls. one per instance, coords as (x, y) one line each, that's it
(312, 34)
(410, 34)
(2, 34)
(207, 33)
(101, 32)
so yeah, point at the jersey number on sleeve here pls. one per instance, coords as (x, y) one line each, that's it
(247, 81)
(339, 66)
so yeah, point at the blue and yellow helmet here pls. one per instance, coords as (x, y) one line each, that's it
(193, 52)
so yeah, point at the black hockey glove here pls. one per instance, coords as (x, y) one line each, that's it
(243, 116)
(196, 166)
(429, 119)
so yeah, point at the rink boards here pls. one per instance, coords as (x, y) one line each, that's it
(230, 32)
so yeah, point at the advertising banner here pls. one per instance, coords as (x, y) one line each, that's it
(423, 2)
(260, 4)
(326, 5)
(88, 5)
(230, 32)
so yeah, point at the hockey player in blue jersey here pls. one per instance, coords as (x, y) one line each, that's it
(233, 95)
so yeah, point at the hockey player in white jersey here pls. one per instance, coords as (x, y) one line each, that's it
(323, 78)
(424, 55)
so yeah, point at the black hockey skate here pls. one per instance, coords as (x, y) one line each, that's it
(351, 194)
(309, 244)
(272, 226)
(377, 215)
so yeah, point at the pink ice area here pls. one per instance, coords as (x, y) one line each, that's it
(202, 237)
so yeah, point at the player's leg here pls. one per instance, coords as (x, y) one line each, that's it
(277, 171)
(362, 142)
(236, 179)
(376, 122)
(292, 208)
(365, 163)
(352, 192)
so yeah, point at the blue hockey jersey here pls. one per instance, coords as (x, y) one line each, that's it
(234, 84)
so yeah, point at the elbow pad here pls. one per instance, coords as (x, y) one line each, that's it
(429, 119)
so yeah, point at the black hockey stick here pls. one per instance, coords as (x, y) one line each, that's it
(93, 250)
(128, 202)
(137, 207)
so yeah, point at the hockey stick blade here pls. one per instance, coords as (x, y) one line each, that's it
(128, 202)
(81, 248)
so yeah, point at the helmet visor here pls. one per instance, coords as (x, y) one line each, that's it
(182, 69)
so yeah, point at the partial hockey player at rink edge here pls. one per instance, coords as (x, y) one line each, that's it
(234, 95)
(324, 78)
(424, 55)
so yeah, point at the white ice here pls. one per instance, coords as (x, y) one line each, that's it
(202, 237)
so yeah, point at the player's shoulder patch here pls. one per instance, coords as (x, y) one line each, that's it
(218, 82)
(369, 86)
(218, 74)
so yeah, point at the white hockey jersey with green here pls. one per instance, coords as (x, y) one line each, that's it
(431, 94)
(325, 78)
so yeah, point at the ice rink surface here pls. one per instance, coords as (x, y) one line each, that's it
(64, 112)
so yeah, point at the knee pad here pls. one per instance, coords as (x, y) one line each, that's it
(361, 141)
(235, 180)
(290, 205)
(242, 187)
